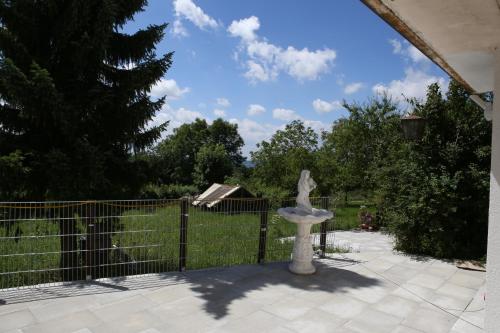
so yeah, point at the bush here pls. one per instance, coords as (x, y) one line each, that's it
(168, 191)
(435, 193)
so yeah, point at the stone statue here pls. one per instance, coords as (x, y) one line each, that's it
(304, 216)
(305, 186)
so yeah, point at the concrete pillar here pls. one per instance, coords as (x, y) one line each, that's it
(492, 320)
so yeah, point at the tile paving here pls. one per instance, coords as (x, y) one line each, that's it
(370, 290)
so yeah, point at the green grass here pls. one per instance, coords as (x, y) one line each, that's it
(214, 239)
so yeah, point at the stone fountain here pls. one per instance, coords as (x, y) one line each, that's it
(304, 215)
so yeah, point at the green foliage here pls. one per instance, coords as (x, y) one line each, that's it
(13, 175)
(213, 165)
(357, 146)
(435, 194)
(72, 105)
(176, 156)
(278, 163)
(169, 191)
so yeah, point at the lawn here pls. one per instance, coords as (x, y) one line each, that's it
(146, 240)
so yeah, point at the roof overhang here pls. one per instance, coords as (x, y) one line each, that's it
(460, 36)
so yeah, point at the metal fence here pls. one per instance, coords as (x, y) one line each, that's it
(52, 243)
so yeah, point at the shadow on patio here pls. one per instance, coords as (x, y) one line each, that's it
(220, 288)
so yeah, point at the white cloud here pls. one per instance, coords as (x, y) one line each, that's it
(168, 88)
(321, 106)
(179, 30)
(256, 72)
(188, 10)
(413, 85)
(265, 60)
(255, 109)
(219, 113)
(224, 102)
(317, 125)
(407, 50)
(285, 114)
(353, 88)
(416, 55)
(245, 28)
(176, 117)
(397, 47)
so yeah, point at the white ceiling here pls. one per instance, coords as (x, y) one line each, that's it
(459, 35)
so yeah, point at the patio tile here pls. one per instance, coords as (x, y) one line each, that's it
(379, 265)
(450, 303)
(259, 321)
(4, 309)
(400, 273)
(415, 292)
(430, 321)
(344, 306)
(465, 327)
(315, 321)
(70, 323)
(454, 290)
(179, 308)
(132, 323)
(123, 308)
(169, 294)
(396, 306)
(443, 271)
(373, 321)
(427, 281)
(466, 280)
(289, 308)
(63, 307)
(83, 330)
(16, 319)
(405, 329)
(372, 294)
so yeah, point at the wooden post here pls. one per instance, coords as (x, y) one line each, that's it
(261, 256)
(183, 234)
(322, 237)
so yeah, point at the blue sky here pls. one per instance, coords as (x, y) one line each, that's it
(263, 63)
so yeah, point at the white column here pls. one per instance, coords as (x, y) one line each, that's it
(492, 320)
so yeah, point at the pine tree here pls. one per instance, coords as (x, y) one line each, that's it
(74, 94)
(74, 105)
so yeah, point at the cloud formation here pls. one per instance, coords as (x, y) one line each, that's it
(168, 88)
(321, 106)
(416, 75)
(223, 102)
(255, 109)
(353, 88)
(188, 10)
(265, 61)
(285, 114)
(219, 113)
(413, 85)
(407, 50)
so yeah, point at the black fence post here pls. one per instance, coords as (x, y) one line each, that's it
(322, 238)
(263, 230)
(183, 234)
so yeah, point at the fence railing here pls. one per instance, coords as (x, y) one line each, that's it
(44, 243)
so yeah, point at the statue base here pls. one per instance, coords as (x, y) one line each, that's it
(302, 251)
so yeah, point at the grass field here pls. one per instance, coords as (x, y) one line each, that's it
(146, 240)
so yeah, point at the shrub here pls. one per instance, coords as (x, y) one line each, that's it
(168, 191)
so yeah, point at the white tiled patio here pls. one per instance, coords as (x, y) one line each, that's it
(374, 290)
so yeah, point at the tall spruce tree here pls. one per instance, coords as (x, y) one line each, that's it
(74, 105)
(74, 95)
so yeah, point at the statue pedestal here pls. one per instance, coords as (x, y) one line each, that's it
(302, 251)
